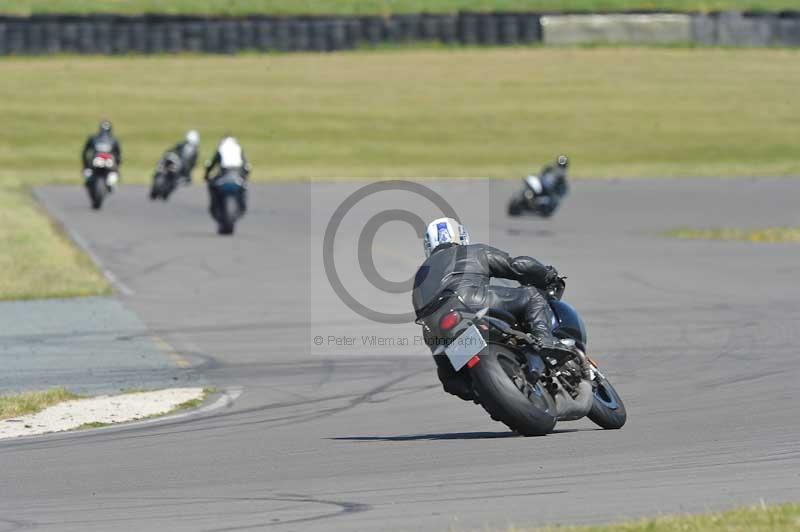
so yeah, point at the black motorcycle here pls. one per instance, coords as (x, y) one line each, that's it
(101, 177)
(527, 389)
(228, 200)
(542, 194)
(167, 176)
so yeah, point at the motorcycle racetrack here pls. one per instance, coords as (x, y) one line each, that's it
(342, 423)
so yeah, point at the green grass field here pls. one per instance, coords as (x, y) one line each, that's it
(26, 403)
(778, 518)
(36, 260)
(238, 7)
(456, 112)
(617, 112)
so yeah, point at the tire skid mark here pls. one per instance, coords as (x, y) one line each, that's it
(329, 368)
(159, 331)
(296, 418)
(153, 268)
(342, 508)
(11, 525)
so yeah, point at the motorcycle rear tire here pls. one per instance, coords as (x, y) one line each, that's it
(228, 214)
(97, 192)
(167, 189)
(608, 410)
(504, 392)
(162, 187)
(517, 205)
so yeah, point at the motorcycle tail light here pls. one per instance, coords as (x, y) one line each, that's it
(449, 320)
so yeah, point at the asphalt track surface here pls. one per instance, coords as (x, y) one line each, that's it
(89, 345)
(700, 338)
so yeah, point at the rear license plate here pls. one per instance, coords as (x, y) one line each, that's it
(467, 345)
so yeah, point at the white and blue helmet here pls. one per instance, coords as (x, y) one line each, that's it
(443, 231)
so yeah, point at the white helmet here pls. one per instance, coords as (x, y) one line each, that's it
(442, 231)
(193, 137)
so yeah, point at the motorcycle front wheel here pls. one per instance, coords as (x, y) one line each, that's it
(503, 390)
(97, 192)
(607, 411)
(228, 215)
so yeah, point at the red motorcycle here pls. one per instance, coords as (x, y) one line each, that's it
(101, 177)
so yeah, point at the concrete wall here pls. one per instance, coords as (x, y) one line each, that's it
(164, 34)
(659, 28)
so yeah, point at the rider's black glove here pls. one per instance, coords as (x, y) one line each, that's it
(554, 283)
(551, 277)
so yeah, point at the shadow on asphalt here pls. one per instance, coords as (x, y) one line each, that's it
(423, 437)
(449, 436)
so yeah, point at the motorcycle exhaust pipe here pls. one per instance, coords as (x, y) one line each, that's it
(567, 408)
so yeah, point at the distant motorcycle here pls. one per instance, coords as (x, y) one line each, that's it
(101, 177)
(167, 176)
(542, 194)
(230, 205)
(528, 389)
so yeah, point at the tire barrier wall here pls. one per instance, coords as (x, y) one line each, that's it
(151, 34)
(736, 29)
(164, 34)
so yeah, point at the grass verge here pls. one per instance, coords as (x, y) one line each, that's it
(777, 518)
(379, 7)
(36, 259)
(93, 425)
(195, 403)
(32, 402)
(769, 234)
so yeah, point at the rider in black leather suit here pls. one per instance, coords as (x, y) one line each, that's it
(105, 141)
(467, 269)
(187, 152)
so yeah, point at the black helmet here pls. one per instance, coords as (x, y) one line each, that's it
(105, 127)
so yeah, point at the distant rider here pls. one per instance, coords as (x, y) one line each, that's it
(554, 178)
(102, 142)
(228, 158)
(187, 153)
(466, 269)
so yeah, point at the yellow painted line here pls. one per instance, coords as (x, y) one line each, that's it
(174, 355)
